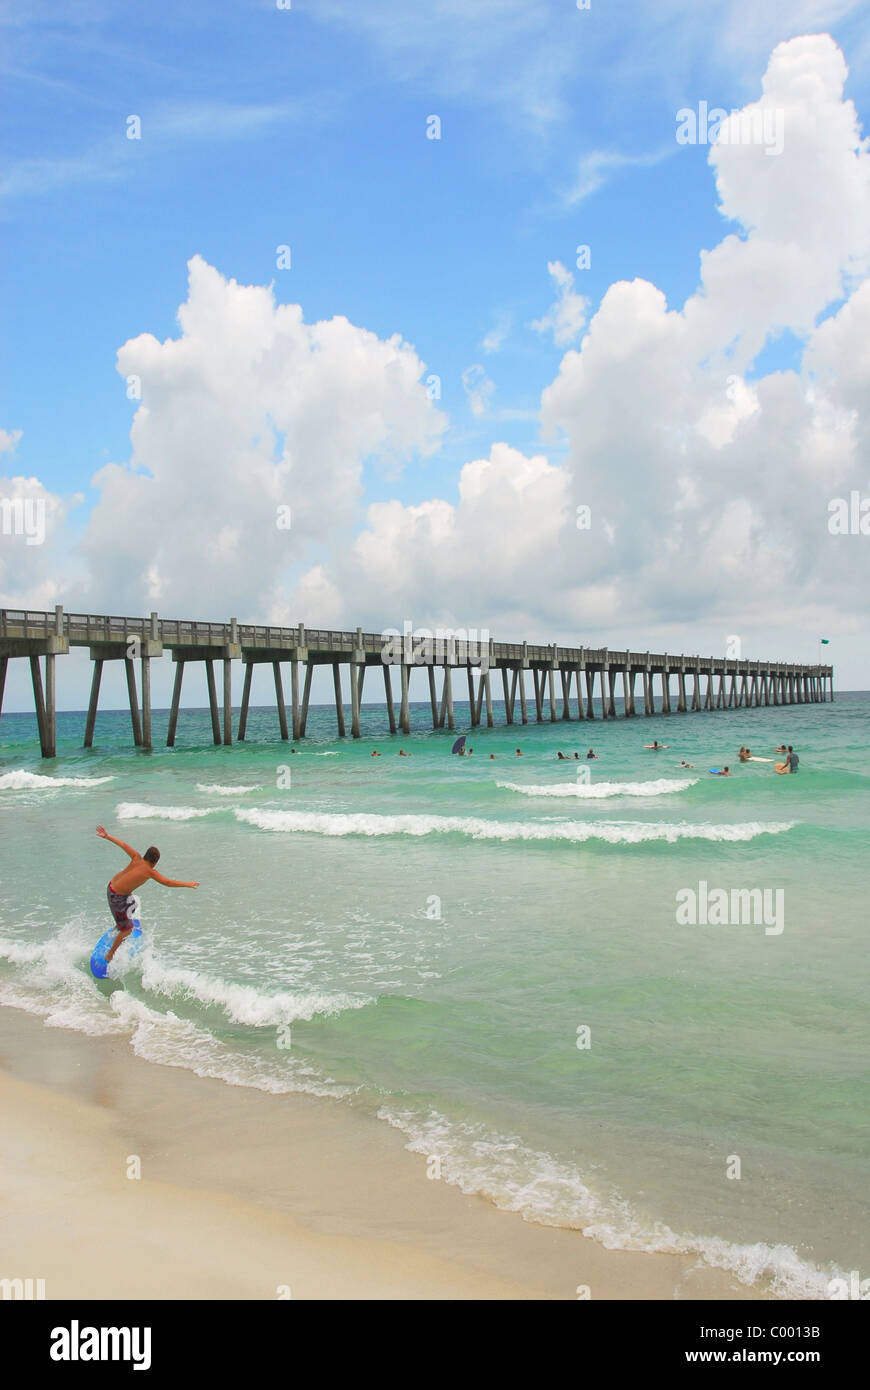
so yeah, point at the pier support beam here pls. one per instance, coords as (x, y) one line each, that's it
(551, 675)
(388, 692)
(473, 703)
(508, 702)
(294, 697)
(306, 696)
(212, 701)
(447, 699)
(487, 690)
(91, 720)
(228, 702)
(279, 701)
(45, 727)
(356, 668)
(627, 692)
(176, 697)
(146, 702)
(433, 696)
(133, 699)
(405, 709)
(339, 702)
(246, 696)
(565, 676)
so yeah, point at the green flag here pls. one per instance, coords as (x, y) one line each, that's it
(824, 641)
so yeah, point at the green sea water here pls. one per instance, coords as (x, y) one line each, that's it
(489, 952)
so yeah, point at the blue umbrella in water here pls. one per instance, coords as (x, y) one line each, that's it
(459, 745)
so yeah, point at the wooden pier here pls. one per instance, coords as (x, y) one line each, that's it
(563, 678)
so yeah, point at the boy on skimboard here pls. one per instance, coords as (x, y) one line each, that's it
(127, 880)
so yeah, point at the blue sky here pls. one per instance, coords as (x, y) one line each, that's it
(307, 126)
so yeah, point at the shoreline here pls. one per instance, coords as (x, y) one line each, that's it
(326, 1200)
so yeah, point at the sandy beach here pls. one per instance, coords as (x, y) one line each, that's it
(244, 1195)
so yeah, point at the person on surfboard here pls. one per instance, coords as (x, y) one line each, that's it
(790, 764)
(124, 883)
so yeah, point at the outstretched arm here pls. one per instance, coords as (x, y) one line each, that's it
(171, 882)
(104, 835)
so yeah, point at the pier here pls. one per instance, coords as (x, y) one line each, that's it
(570, 683)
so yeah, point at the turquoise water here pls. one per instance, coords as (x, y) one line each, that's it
(429, 933)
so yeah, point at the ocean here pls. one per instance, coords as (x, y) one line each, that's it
(537, 978)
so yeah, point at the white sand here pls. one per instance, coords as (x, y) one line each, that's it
(242, 1193)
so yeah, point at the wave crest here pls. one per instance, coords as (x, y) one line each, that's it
(593, 791)
(137, 810)
(19, 780)
(339, 823)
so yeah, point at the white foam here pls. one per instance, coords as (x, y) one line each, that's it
(593, 791)
(243, 1003)
(19, 780)
(178, 1042)
(576, 832)
(548, 1192)
(137, 810)
(219, 790)
(54, 986)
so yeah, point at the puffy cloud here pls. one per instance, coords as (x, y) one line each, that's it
(805, 211)
(32, 542)
(708, 491)
(440, 562)
(246, 414)
(669, 443)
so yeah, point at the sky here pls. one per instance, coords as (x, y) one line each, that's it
(454, 286)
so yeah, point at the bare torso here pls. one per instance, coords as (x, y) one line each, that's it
(137, 872)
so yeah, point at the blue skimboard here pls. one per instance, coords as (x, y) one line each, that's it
(127, 951)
